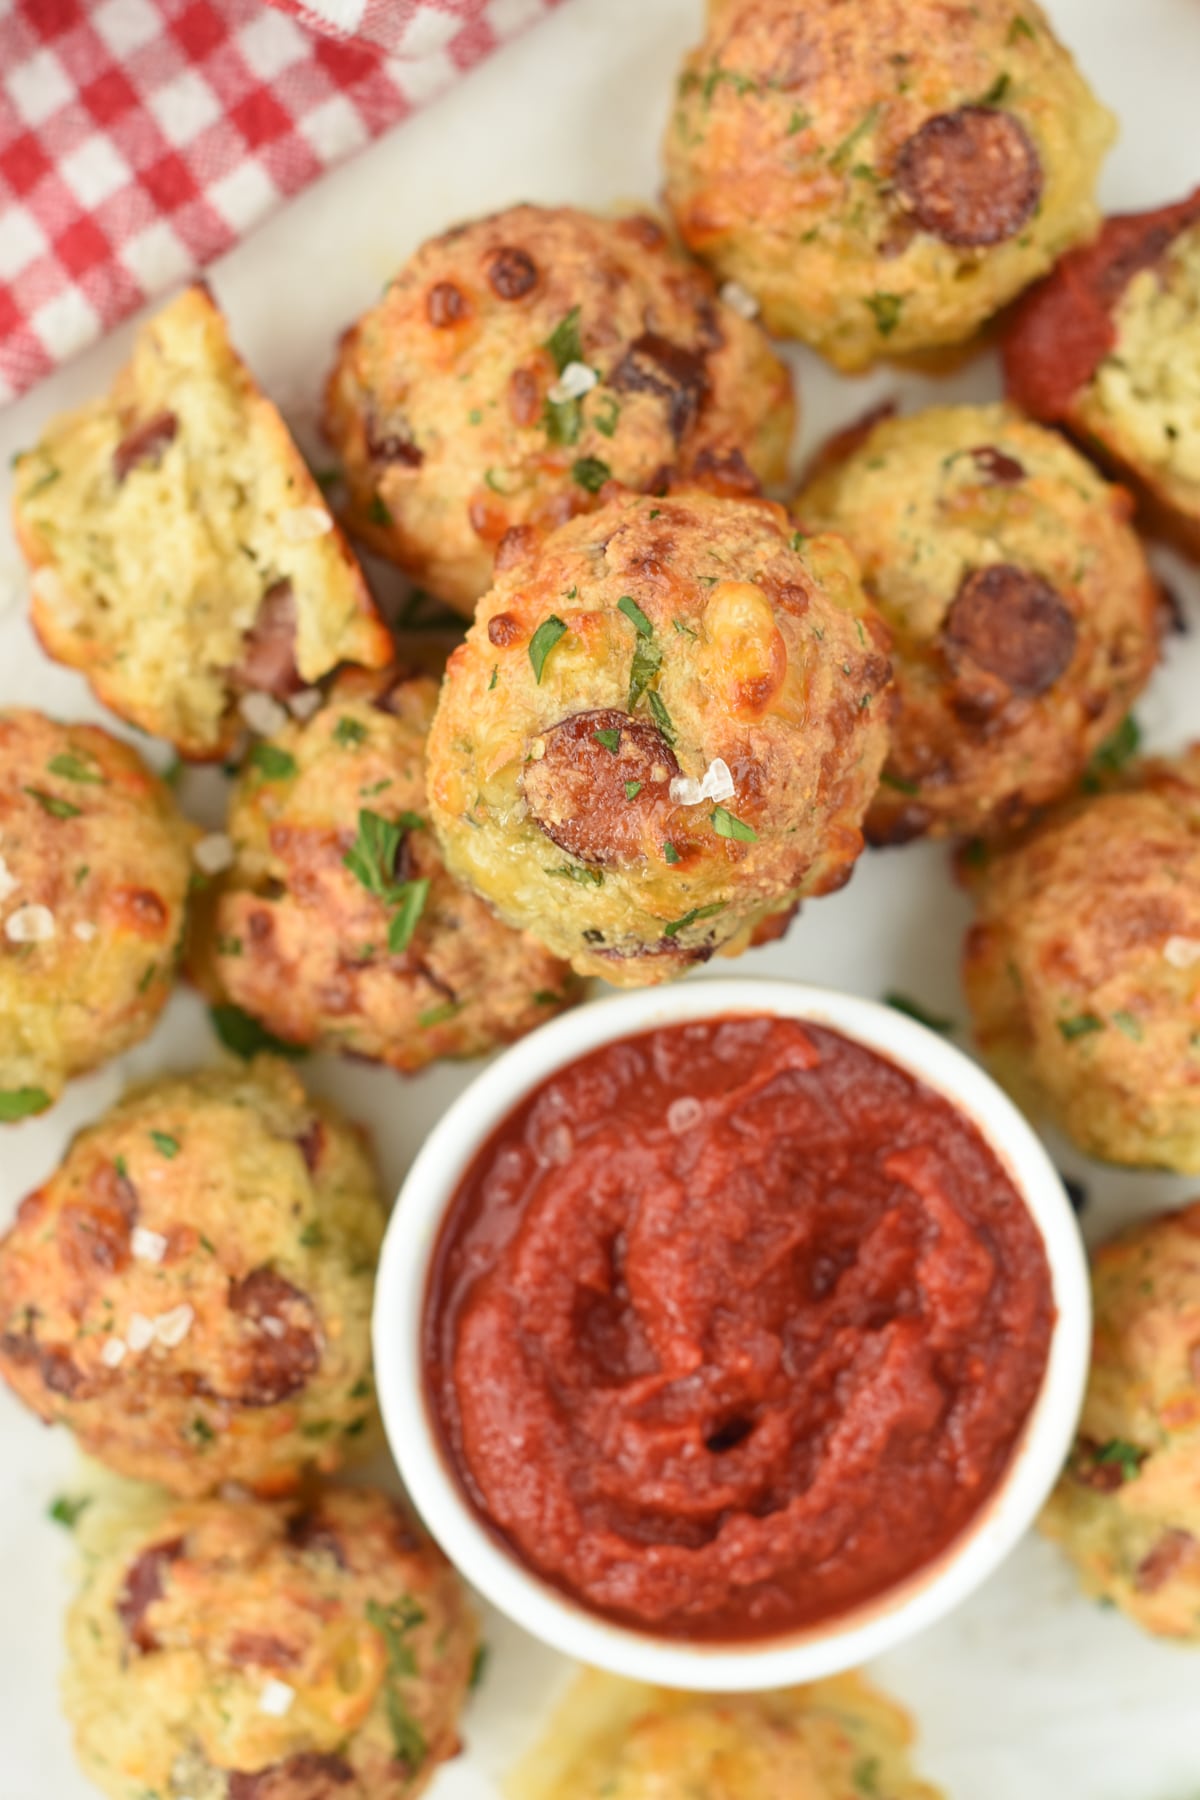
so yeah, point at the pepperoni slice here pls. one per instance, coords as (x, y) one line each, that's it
(142, 1587)
(584, 792)
(268, 660)
(970, 177)
(146, 444)
(282, 1346)
(1013, 624)
(309, 1776)
(654, 365)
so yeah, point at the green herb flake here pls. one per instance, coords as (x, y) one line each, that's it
(50, 803)
(799, 121)
(200, 1431)
(865, 1776)
(1126, 1022)
(377, 512)
(312, 1237)
(1127, 1457)
(912, 1009)
(272, 762)
(349, 733)
(495, 676)
(66, 1509)
(439, 1015)
(564, 343)
(371, 859)
(609, 740)
(671, 853)
(799, 539)
(148, 974)
(21, 1103)
(122, 1167)
(585, 877)
(74, 768)
(885, 309)
(693, 918)
(726, 825)
(647, 660)
(633, 789)
(548, 997)
(393, 1623)
(408, 1740)
(606, 422)
(478, 1666)
(165, 1144)
(888, 780)
(839, 156)
(410, 904)
(684, 630)
(562, 421)
(242, 1034)
(590, 473)
(1020, 28)
(542, 643)
(1081, 1025)
(997, 91)
(633, 612)
(661, 716)
(1114, 753)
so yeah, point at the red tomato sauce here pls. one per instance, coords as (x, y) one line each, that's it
(732, 1326)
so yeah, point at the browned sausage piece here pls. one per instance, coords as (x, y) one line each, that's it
(268, 660)
(1161, 1562)
(145, 444)
(596, 790)
(143, 1586)
(997, 466)
(970, 177)
(309, 1776)
(282, 1348)
(445, 305)
(1013, 624)
(512, 273)
(654, 365)
(310, 1533)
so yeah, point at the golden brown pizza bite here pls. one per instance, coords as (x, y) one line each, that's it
(182, 554)
(1109, 346)
(518, 362)
(1083, 967)
(1127, 1509)
(338, 924)
(190, 1291)
(1022, 609)
(94, 869)
(664, 726)
(882, 177)
(231, 1650)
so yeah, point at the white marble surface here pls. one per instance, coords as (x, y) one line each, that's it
(1027, 1691)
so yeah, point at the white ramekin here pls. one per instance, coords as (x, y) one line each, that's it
(542, 1609)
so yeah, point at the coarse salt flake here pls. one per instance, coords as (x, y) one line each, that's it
(8, 881)
(146, 1245)
(304, 523)
(274, 1328)
(740, 300)
(1182, 952)
(304, 704)
(30, 925)
(170, 1328)
(84, 930)
(140, 1334)
(683, 1114)
(113, 1353)
(575, 381)
(715, 784)
(262, 713)
(214, 852)
(276, 1699)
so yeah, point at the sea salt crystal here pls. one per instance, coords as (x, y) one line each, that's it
(683, 1114)
(740, 300)
(304, 704)
(276, 1699)
(140, 1335)
(1182, 952)
(8, 881)
(304, 523)
(147, 1246)
(575, 381)
(113, 1353)
(170, 1328)
(715, 784)
(262, 713)
(214, 852)
(29, 925)
(274, 1328)
(84, 930)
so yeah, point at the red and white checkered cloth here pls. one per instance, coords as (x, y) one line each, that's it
(141, 138)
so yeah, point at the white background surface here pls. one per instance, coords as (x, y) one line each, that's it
(1028, 1692)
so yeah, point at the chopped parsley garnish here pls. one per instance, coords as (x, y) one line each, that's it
(74, 768)
(407, 914)
(372, 860)
(1020, 28)
(647, 660)
(799, 121)
(50, 803)
(563, 421)
(1080, 1026)
(671, 853)
(661, 716)
(1131, 1026)
(349, 731)
(438, 1015)
(798, 540)
(726, 825)
(684, 630)
(542, 643)
(692, 918)
(885, 309)
(271, 761)
(312, 1237)
(912, 1009)
(590, 473)
(478, 1665)
(377, 512)
(147, 977)
(633, 789)
(548, 997)
(165, 1144)
(67, 1509)
(21, 1103)
(637, 618)
(609, 740)
(1126, 1456)
(495, 676)
(839, 156)
(866, 1776)
(242, 1034)
(887, 779)
(564, 343)
(606, 423)
(1116, 750)
(585, 877)
(997, 91)
(393, 1623)
(201, 1431)
(228, 946)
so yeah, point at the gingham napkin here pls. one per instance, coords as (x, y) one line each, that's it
(141, 138)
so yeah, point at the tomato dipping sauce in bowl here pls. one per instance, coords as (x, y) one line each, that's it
(738, 1343)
